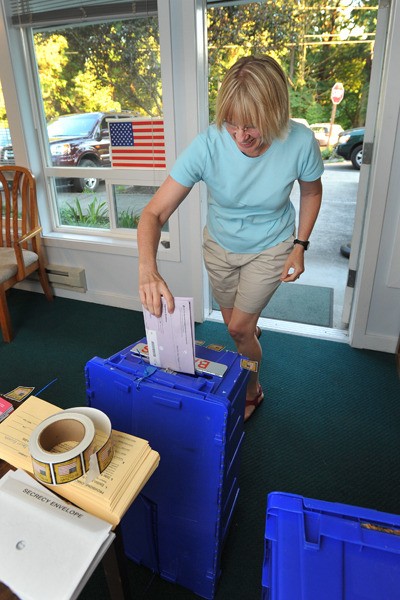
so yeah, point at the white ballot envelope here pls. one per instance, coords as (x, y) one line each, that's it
(170, 338)
(48, 547)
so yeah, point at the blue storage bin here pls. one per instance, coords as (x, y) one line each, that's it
(178, 524)
(317, 550)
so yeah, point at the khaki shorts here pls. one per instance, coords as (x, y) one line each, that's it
(244, 281)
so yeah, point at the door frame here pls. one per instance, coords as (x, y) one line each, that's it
(355, 257)
(378, 195)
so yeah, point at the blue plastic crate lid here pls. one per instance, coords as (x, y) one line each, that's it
(228, 374)
(316, 550)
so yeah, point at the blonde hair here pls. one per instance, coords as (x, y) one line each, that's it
(254, 92)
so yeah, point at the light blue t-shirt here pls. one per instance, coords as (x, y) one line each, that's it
(249, 207)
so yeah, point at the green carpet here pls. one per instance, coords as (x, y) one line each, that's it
(309, 304)
(328, 428)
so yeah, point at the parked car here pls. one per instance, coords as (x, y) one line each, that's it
(78, 140)
(350, 145)
(322, 130)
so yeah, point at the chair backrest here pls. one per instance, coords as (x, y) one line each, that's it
(18, 205)
(20, 243)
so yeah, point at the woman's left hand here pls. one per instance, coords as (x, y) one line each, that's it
(294, 265)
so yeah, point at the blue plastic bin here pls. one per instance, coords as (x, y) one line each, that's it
(318, 550)
(178, 524)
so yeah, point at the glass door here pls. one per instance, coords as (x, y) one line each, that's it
(317, 49)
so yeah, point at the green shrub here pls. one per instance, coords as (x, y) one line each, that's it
(95, 214)
(327, 153)
(128, 219)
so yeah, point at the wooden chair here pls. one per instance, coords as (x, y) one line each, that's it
(20, 242)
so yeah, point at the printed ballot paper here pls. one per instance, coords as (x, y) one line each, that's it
(170, 338)
(112, 492)
(48, 548)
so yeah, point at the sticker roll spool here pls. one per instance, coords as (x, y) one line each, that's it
(77, 425)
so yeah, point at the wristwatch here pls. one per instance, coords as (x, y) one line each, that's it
(302, 243)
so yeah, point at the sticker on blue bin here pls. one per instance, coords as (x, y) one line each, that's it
(202, 365)
(249, 365)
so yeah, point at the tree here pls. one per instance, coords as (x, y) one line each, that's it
(51, 55)
(107, 66)
(116, 65)
(233, 32)
(316, 43)
(3, 114)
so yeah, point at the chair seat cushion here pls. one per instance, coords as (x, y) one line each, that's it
(8, 262)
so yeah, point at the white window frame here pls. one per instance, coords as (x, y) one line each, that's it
(125, 240)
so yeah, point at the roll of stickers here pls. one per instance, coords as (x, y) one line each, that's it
(71, 443)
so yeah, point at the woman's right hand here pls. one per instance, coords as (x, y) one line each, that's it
(152, 288)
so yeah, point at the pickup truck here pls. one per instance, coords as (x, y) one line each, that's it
(78, 140)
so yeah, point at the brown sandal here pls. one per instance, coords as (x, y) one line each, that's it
(256, 401)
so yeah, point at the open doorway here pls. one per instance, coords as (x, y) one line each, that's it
(327, 261)
(318, 46)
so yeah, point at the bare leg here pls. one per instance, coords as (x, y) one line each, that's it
(242, 329)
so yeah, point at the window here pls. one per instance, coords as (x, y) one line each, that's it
(87, 74)
(99, 71)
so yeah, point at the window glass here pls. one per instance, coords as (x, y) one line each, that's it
(315, 47)
(89, 74)
(129, 201)
(113, 66)
(89, 209)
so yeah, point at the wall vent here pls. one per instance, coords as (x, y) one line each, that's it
(61, 276)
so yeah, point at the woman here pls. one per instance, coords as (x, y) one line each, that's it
(249, 160)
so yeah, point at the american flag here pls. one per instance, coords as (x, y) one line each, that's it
(137, 143)
(39, 469)
(67, 469)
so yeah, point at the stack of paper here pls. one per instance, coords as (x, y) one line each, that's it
(110, 494)
(170, 338)
(114, 490)
(48, 548)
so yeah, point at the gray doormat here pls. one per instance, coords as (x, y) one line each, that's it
(309, 304)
